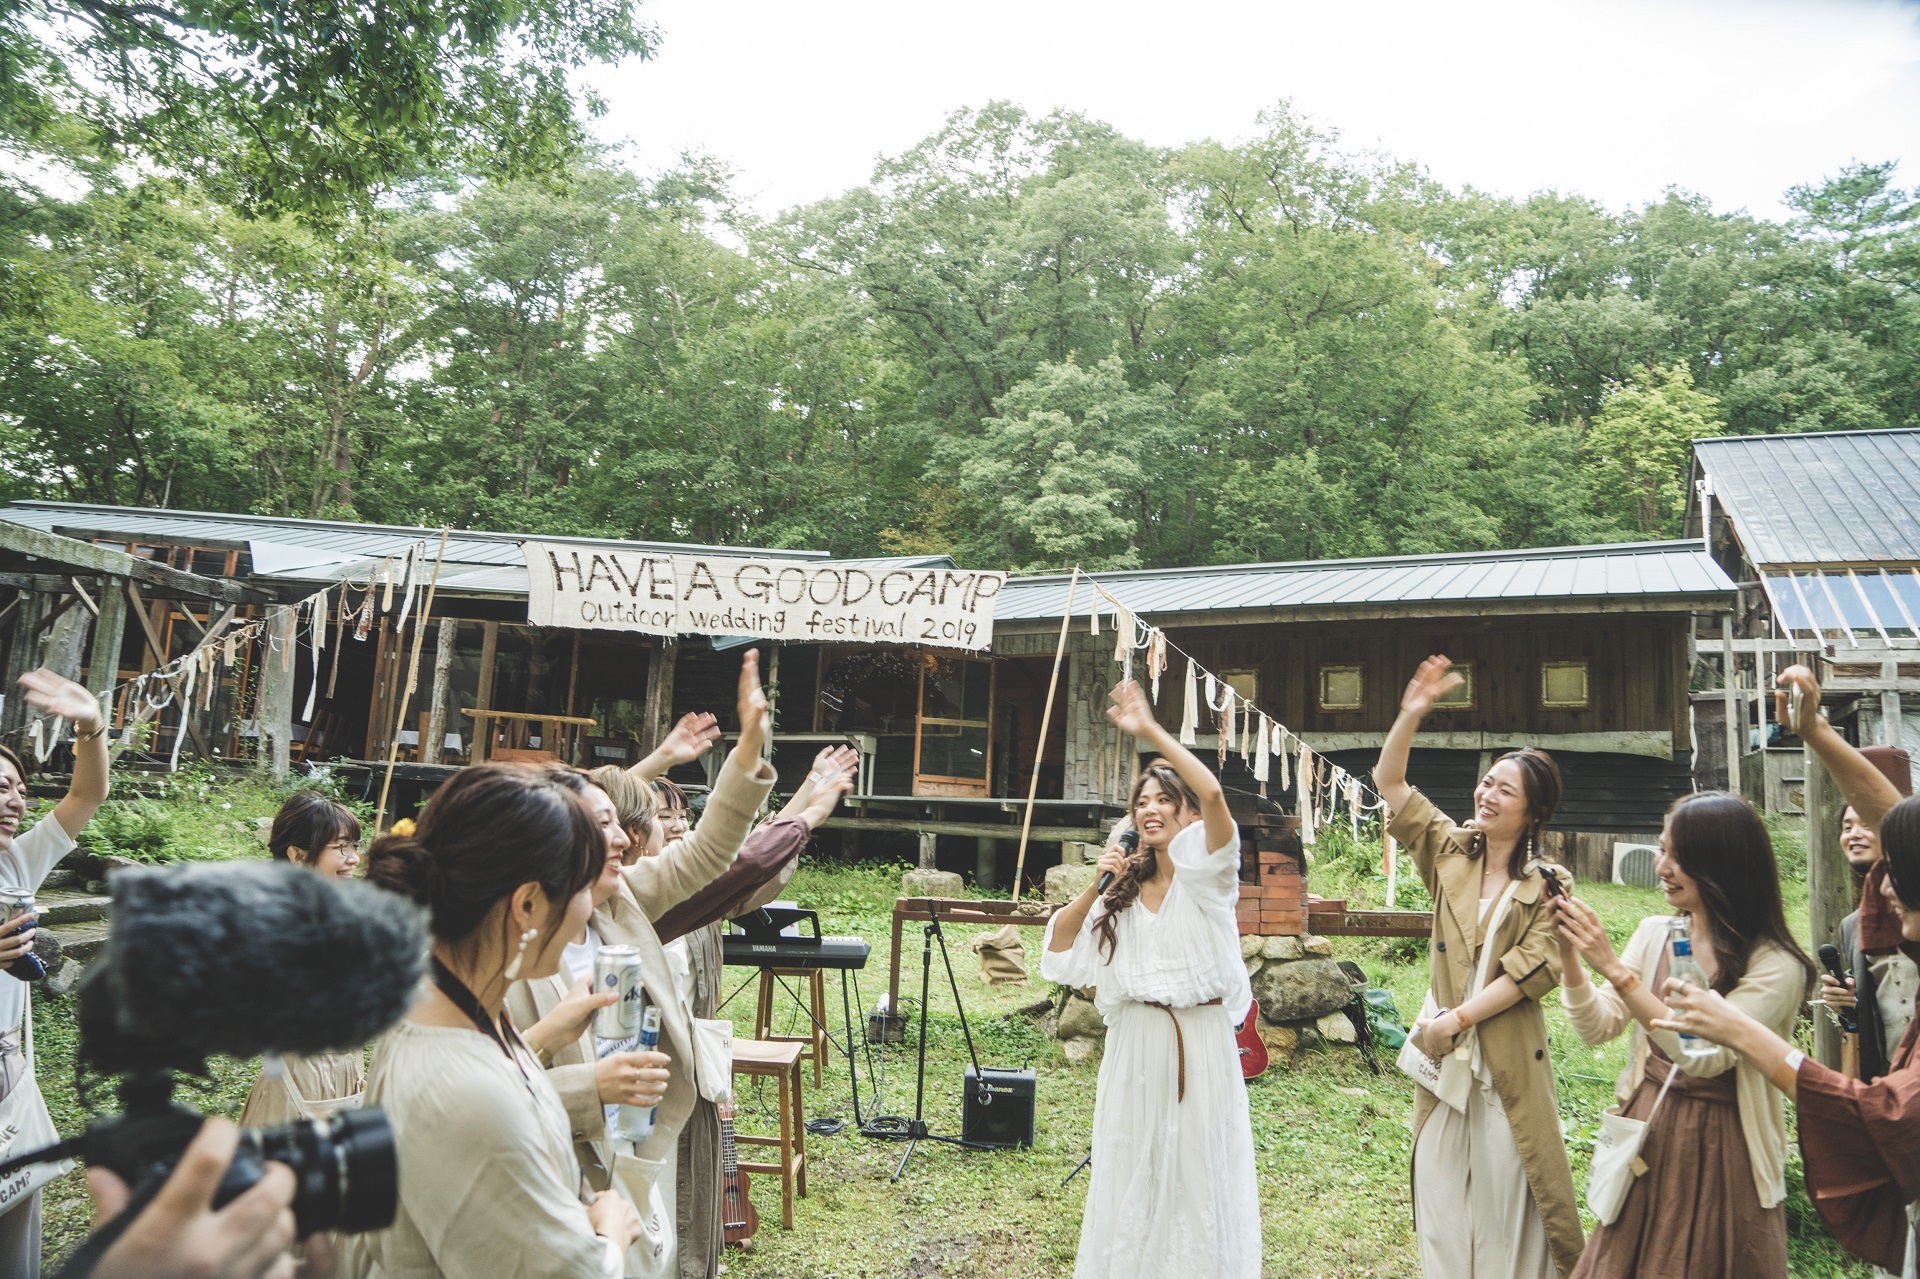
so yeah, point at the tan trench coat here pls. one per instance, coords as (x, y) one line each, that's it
(648, 888)
(1514, 1043)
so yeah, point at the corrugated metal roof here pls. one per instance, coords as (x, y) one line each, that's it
(1679, 571)
(477, 563)
(1831, 497)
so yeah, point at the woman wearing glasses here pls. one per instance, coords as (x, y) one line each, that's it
(314, 831)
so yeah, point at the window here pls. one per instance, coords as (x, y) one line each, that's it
(1244, 682)
(955, 721)
(1342, 688)
(1461, 698)
(1564, 684)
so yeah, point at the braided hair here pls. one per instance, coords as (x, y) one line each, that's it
(1145, 863)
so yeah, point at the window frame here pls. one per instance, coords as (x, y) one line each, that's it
(1582, 664)
(1320, 701)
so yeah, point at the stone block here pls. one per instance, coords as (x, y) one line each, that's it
(1301, 990)
(1281, 1041)
(1253, 964)
(1082, 1049)
(1079, 1019)
(1336, 1028)
(1317, 945)
(1066, 881)
(1250, 945)
(930, 883)
(1282, 948)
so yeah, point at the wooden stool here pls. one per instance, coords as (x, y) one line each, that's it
(781, 1061)
(816, 1040)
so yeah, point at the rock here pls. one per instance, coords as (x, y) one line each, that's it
(1336, 1028)
(1254, 964)
(1282, 948)
(1079, 1050)
(1079, 1019)
(1301, 990)
(60, 982)
(111, 863)
(1280, 1040)
(930, 883)
(1316, 945)
(1250, 944)
(263, 829)
(1066, 882)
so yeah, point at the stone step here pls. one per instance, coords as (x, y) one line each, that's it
(81, 942)
(60, 906)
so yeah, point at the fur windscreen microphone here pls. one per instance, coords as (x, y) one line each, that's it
(1129, 841)
(244, 958)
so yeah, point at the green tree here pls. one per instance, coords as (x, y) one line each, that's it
(1638, 448)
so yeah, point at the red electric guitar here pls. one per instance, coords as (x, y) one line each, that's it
(738, 1221)
(1253, 1050)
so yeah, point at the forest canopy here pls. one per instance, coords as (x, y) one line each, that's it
(1029, 341)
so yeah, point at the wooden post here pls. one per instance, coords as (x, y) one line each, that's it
(274, 713)
(1830, 884)
(433, 744)
(23, 655)
(573, 673)
(1040, 746)
(659, 712)
(1890, 703)
(103, 672)
(483, 728)
(1736, 717)
(67, 641)
(986, 855)
(927, 843)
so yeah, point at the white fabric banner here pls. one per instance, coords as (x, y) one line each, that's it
(796, 600)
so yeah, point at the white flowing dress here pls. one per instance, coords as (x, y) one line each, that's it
(1172, 1191)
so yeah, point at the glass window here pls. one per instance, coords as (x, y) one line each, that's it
(1342, 688)
(954, 750)
(1461, 698)
(1564, 684)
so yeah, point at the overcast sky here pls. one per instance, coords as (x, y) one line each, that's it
(1614, 99)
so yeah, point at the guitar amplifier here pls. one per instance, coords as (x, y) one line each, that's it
(998, 1112)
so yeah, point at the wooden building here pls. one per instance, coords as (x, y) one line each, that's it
(1822, 534)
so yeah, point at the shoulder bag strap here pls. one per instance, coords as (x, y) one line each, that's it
(1495, 917)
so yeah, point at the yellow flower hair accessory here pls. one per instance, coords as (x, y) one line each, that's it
(403, 828)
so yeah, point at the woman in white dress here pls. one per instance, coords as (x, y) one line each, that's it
(1172, 1191)
(504, 857)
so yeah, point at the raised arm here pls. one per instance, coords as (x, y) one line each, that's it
(52, 695)
(1865, 787)
(1132, 714)
(1434, 680)
(829, 766)
(691, 738)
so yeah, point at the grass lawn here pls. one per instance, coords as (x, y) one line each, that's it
(1332, 1139)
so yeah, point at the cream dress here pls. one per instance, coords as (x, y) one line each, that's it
(1173, 1190)
(310, 1088)
(489, 1186)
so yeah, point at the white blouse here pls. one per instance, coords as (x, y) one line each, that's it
(1185, 954)
(488, 1180)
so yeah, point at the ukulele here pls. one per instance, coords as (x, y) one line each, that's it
(1253, 1050)
(738, 1220)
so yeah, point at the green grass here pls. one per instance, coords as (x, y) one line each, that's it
(1332, 1140)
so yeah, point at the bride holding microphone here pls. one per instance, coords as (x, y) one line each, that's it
(1172, 1191)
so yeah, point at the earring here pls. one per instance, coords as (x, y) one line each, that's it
(513, 969)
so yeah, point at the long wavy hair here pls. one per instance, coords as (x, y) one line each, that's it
(1145, 863)
(1540, 778)
(1722, 845)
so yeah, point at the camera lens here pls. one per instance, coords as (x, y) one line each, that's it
(344, 1170)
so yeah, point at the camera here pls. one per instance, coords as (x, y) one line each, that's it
(241, 959)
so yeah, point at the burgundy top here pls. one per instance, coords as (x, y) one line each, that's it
(763, 854)
(1861, 1145)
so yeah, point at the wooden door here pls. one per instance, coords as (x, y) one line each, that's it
(953, 736)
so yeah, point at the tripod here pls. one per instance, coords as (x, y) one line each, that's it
(914, 1130)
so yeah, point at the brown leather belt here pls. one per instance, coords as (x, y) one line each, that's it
(1179, 1040)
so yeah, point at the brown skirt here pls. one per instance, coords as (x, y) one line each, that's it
(1694, 1214)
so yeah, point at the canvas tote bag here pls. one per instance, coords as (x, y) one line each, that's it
(1450, 1078)
(1616, 1157)
(25, 1125)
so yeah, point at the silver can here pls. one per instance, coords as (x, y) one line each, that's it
(15, 902)
(617, 968)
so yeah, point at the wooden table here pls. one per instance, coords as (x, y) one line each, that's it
(958, 910)
(518, 727)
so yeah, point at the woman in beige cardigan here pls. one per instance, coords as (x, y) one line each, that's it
(1493, 1193)
(592, 1075)
(1709, 1204)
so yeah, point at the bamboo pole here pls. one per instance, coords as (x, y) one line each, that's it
(1040, 747)
(413, 677)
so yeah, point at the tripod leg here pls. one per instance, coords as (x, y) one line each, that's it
(853, 1078)
(911, 1143)
(1076, 1170)
(920, 1080)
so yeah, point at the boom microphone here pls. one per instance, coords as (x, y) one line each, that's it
(245, 958)
(1129, 841)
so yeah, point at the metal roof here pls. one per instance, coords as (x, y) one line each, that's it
(1829, 497)
(319, 551)
(1680, 572)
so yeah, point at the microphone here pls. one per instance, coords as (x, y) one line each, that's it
(1129, 841)
(1830, 956)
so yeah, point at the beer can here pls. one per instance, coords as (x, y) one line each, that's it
(15, 902)
(635, 1123)
(617, 968)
